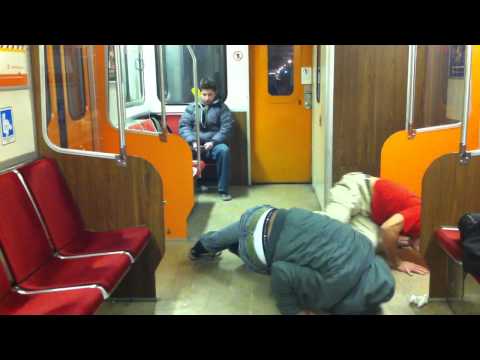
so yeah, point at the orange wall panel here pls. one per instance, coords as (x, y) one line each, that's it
(168, 153)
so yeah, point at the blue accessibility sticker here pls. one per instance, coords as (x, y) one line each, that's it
(8, 130)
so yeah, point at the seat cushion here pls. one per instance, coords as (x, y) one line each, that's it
(54, 200)
(4, 283)
(71, 302)
(450, 241)
(132, 239)
(106, 271)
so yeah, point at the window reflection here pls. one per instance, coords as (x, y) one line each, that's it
(211, 63)
(75, 83)
(439, 85)
(280, 70)
(133, 74)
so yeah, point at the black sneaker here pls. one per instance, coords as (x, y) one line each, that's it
(198, 251)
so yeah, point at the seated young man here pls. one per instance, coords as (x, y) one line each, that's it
(216, 126)
(387, 213)
(317, 264)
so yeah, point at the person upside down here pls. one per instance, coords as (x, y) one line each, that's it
(317, 264)
(385, 212)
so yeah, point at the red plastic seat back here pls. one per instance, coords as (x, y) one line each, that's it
(54, 200)
(173, 122)
(22, 237)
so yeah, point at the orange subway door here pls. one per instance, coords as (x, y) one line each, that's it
(281, 122)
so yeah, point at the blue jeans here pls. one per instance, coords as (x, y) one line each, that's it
(233, 236)
(221, 154)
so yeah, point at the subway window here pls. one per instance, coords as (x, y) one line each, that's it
(111, 64)
(133, 75)
(280, 70)
(439, 85)
(319, 62)
(74, 81)
(211, 63)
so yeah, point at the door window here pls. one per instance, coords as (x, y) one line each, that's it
(280, 70)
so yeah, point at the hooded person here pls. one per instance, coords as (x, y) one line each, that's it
(317, 264)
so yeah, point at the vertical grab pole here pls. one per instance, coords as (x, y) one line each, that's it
(464, 154)
(122, 158)
(162, 86)
(197, 120)
(412, 67)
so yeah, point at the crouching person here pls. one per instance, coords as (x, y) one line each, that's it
(317, 264)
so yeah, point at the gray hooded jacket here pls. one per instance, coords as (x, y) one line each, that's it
(215, 126)
(320, 264)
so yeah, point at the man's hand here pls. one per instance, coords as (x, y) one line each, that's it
(411, 268)
(208, 145)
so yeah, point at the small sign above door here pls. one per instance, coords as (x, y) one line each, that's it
(237, 55)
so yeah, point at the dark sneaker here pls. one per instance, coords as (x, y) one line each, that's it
(225, 196)
(199, 252)
(234, 249)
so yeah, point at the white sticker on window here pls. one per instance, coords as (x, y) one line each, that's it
(8, 130)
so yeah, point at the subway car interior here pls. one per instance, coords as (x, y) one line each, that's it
(102, 195)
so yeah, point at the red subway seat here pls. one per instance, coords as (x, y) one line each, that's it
(131, 239)
(145, 125)
(30, 257)
(68, 302)
(449, 241)
(63, 219)
(173, 122)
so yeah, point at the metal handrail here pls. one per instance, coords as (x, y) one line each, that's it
(121, 111)
(93, 92)
(197, 120)
(464, 154)
(162, 86)
(50, 144)
(412, 69)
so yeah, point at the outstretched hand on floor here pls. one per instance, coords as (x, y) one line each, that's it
(411, 268)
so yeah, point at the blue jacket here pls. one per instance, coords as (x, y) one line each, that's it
(216, 126)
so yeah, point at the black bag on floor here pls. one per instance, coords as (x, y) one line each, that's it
(469, 226)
